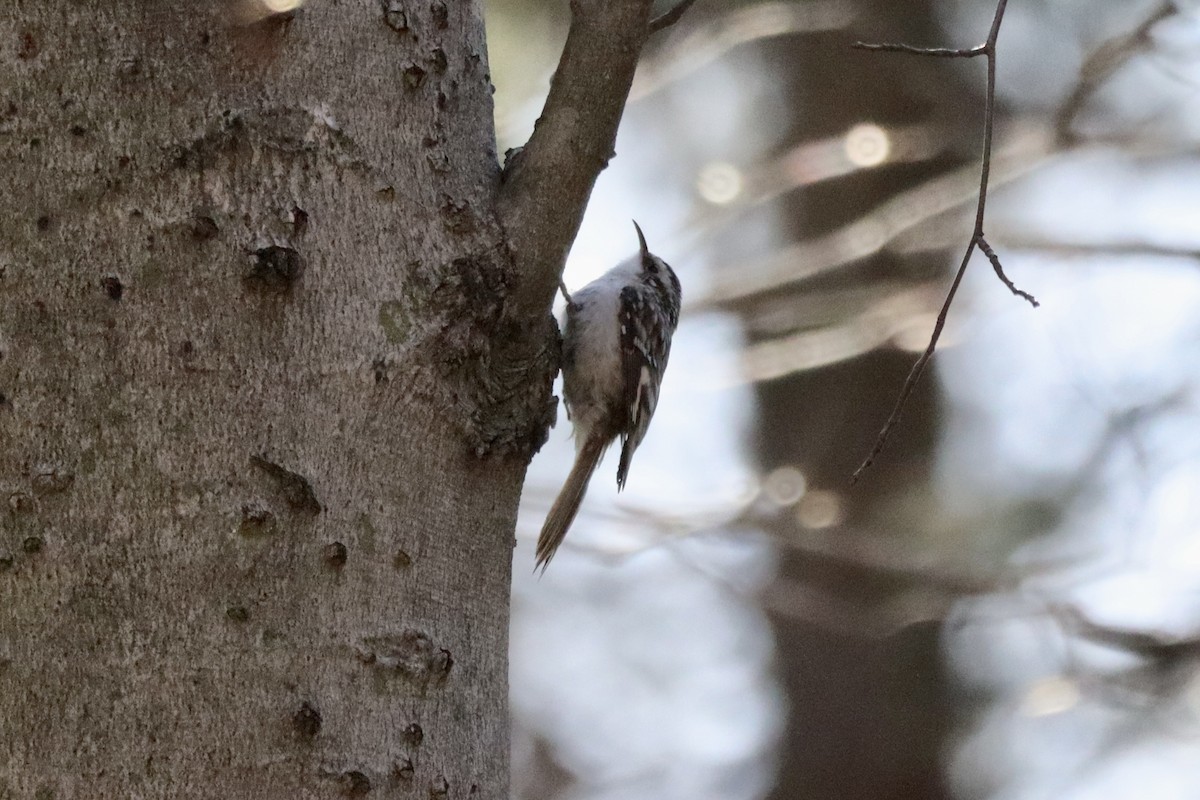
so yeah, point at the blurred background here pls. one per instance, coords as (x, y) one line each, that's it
(1007, 605)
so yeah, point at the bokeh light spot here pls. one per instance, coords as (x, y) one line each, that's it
(785, 486)
(819, 509)
(720, 183)
(1050, 696)
(867, 145)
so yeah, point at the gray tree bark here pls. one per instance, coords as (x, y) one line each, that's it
(264, 413)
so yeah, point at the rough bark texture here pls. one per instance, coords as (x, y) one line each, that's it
(264, 417)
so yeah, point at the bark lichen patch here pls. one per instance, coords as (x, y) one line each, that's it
(366, 533)
(296, 490)
(395, 321)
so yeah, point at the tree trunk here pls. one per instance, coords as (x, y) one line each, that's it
(264, 417)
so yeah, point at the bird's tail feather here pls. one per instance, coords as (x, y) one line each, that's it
(566, 505)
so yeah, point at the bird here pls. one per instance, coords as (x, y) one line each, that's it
(615, 347)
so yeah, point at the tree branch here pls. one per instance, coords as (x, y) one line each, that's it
(988, 50)
(936, 52)
(995, 259)
(546, 185)
(671, 16)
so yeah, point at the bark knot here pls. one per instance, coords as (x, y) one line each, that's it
(296, 490)
(498, 367)
(410, 654)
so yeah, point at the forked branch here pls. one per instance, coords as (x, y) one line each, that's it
(547, 183)
(978, 240)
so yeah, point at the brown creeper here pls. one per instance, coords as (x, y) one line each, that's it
(615, 347)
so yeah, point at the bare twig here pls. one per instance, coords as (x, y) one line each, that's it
(936, 52)
(995, 259)
(671, 16)
(988, 50)
(546, 190)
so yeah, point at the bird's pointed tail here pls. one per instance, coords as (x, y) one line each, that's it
(566, 505)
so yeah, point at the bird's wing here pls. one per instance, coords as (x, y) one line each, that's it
(645, 347)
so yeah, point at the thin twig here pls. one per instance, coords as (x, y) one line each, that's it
(914, 375)
(562, 287)
(670, 17)
(936, 52)
(988, 50)
(995, 259)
